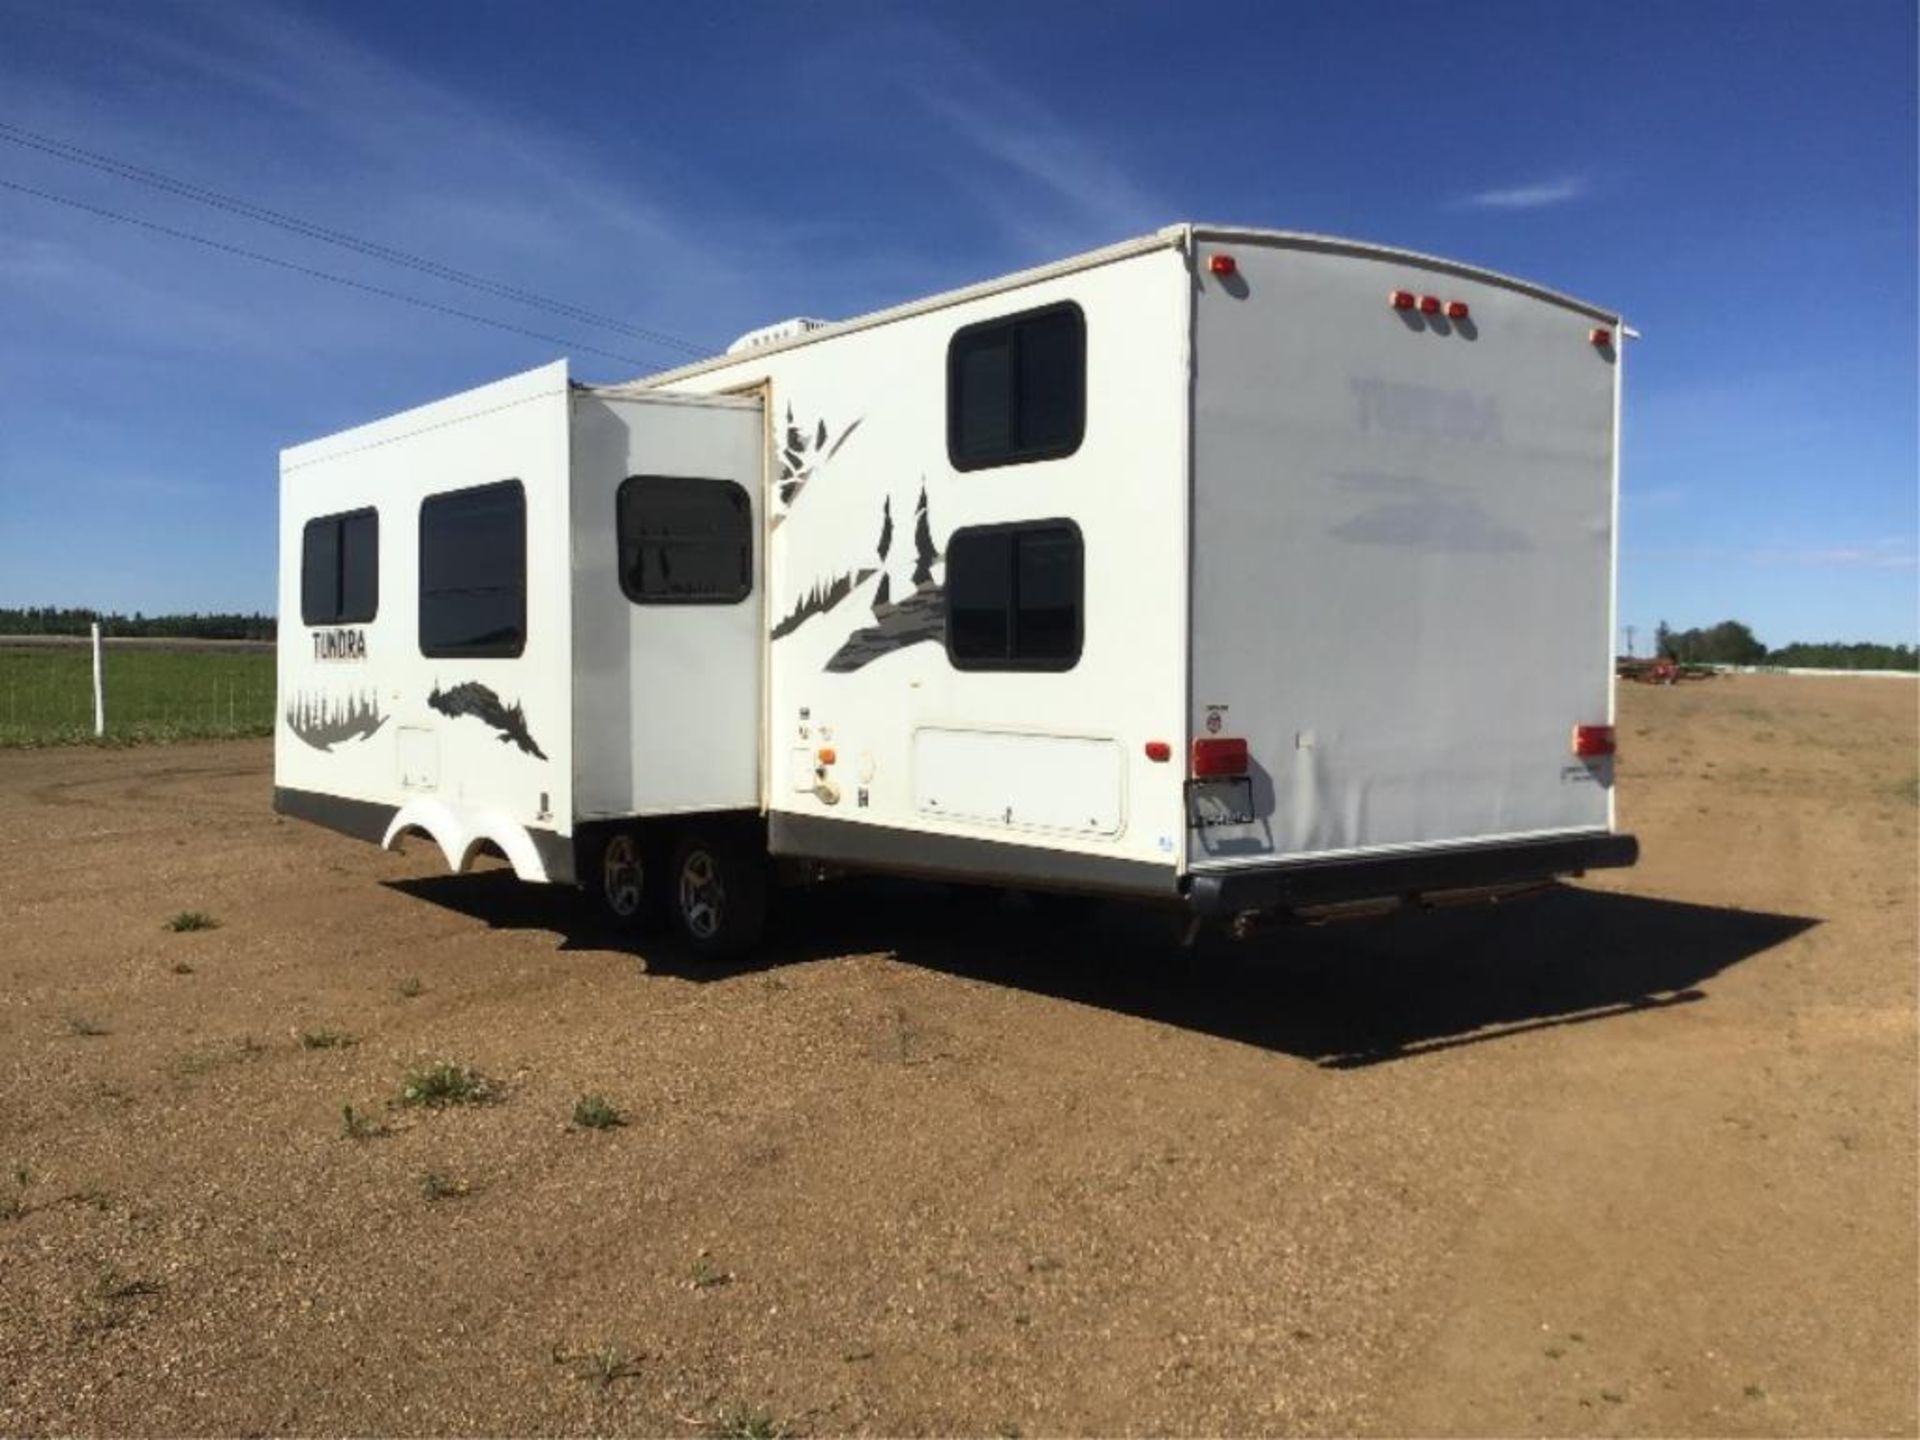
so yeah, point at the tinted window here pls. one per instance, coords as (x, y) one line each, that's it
(359, 566)
(1014, 596)
(473, 571)
(983, 395)
(340, 569)
(979, 595)
(684, 541)
(1017, 389)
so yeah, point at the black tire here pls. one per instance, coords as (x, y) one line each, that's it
(624, 881)
(717, 893)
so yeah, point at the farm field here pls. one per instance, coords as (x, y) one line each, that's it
(155, 690)
(1634, 1157)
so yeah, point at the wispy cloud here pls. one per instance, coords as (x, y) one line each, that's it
(1536, 196)
(1050, 186)
(1022, 136)
(387, 153)
(1893, 552)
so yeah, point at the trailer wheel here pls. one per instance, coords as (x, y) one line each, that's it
(719, 898)
(625, 881)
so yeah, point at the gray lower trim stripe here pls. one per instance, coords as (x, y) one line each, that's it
(361, 819)
(961, 857)
(367, 820)
(556, 856)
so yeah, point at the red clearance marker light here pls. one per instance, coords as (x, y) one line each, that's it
(1217, 755)
(1601, 336)
(1456, 309)
(1593, 740)
(1223, 265)
(1429, 304)
(1159, 751)
(1402, 300)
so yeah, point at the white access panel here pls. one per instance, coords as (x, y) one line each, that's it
(1066, 784)
(667, 697)
(1402, 553)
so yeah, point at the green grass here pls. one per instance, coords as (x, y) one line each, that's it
(596, 1112)
(601, 1366)
(152, 694)
(443, 1084)
(187, 920)
(437, 1185)
(326, 1039)
(115, 1286)
(13, 1202)
(748, 1423)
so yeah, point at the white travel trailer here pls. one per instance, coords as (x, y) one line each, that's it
(1252, 573)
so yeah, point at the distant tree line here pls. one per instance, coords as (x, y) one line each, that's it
(1834, 655)
(1732, 643)
(58, 620)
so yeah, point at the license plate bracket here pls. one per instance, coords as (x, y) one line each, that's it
(1214, 803)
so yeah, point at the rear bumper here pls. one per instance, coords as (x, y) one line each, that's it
(1306, 883)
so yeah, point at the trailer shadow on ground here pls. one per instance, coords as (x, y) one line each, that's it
(1343, 995)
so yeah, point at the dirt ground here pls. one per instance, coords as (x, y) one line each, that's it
(1635, 1157)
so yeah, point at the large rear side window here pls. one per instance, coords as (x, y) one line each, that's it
(473, 572)
(1014, 596)
(340, 569)
(1017, 388)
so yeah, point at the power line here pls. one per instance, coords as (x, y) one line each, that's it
(154, 179)
(309, 270)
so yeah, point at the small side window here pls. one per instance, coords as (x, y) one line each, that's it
(340, 569)
(684, 541)
(1014, 596)
(1017, 388)
(473, 572)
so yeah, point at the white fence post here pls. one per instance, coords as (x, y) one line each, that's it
(99, 694)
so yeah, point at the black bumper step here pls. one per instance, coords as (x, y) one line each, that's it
(1331, 882)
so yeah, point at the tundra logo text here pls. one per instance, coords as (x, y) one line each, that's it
(339, 644)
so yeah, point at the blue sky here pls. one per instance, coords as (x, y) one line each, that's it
(1739, 179)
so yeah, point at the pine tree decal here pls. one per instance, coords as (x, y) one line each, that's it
(884, 594)
(923, 552)
(802, 452)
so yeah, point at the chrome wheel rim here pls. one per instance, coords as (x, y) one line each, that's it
(621, 876)
(702, 897)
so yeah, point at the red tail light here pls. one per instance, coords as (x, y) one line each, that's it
(1457, 310)
(1601, 336)
(1159, 751)
(1223, 265)
(1593, 740)
(1429, 304)
(1402, 300)
(1217, 755)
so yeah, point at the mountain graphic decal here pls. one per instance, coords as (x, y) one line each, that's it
(470, 697)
